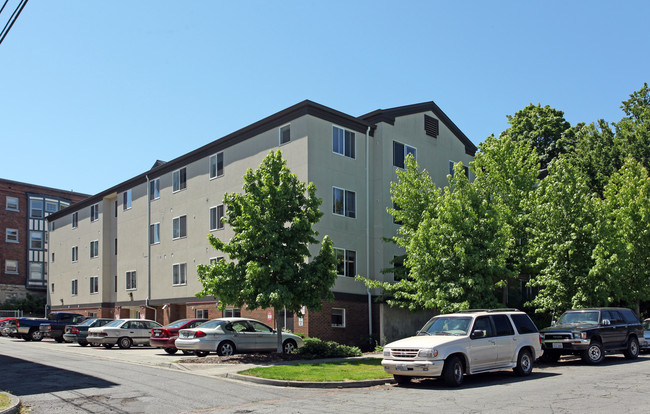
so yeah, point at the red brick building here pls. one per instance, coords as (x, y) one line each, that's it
(23, 244)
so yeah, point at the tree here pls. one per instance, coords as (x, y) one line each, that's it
(544, 129)
(273, 224)
(562, 238)
(623, 250)
(633, 130)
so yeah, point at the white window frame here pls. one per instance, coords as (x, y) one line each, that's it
(354, 141)
(75, 219)
(11, 239)
(216, 259)
(343, 314)
(201, 313)
(131, 280)
(94, 285)
(10, 202)
(94, 249)
(346, 258)
(154, 189)
(213, 160)
(36, 236)
(50, 202)
(75, 254)
(11, 264)
(127, 200)
(74, 287)
(345, 201)
(177, 183)
(31, 208)
(182, 274)
(154, 230)
(232, 313)
(217, 223)
(405, 152)
(94, 212)
(283, 128)
(178, 220)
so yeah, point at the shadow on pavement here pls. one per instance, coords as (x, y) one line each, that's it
(21, 377)
(478, 380)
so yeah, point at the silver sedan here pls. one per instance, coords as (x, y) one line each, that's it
(123, 333)
(227, 336)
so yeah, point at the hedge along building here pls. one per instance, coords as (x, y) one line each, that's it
(132, 250)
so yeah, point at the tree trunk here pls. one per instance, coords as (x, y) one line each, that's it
(279, 324)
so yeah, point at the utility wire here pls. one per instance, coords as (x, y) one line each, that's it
(12, 19)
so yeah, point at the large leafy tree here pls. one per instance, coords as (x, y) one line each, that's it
(623, 250)
(273, 223)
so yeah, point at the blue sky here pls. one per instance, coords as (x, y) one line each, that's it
(94, 92)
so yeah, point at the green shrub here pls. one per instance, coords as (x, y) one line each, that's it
(315, 348)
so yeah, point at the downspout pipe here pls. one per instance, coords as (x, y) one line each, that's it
(146, 302)
(368, 229)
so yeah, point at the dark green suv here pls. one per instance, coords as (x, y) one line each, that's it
(590, 333)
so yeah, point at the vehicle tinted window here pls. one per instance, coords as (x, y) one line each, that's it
(629, 316)
(502, 325)
(523, 323)
(483, 324)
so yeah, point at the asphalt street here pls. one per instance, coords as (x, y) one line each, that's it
(66, 378)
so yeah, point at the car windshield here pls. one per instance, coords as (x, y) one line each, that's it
(447, 325)
(576, 318)
(212, 324)
(87, 322)
(116, 322)
(177, 324)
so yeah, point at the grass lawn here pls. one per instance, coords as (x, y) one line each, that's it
(354, 370)
(4, 400)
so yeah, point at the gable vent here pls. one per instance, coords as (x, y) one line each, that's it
(431, 126)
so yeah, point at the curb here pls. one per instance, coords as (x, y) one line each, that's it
(311, 384)
(14, 404)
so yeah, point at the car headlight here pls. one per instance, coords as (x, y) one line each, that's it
(428, 353)
(386, 352)
(580, 335)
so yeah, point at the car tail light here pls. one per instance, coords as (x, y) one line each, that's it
(102, 334)
(17, 324)
(199, 334)
(74, 330)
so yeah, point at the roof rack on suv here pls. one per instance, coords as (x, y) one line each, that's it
(490, 310)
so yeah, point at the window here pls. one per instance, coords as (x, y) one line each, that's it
(338, 318)
(35, 240)
(115, 208)
(75, 253)
(202, 313)
(94, 284)
(179, 227)
(11, 267)
(179, 180)
(400, 151)
(344, 202)
(94, 212)
(523, 323)
(451, 169)
(396, 208)
(154, 189)
(431, 126)
(503, 325)
(285, 134)
(36, 208)
(115, 283)
(115, 246)
(51, 206)
(131, 280)
(36, 271)
(75, 220)
(52, 287)
(232, 313)
(216, 165)
(94, 248)
(179, 274)
(12, 204)
(343, 142)
(216, 217)
(482, 323)
(52, 257)
(127, 199)
(12, 236)
(74, 287)
(216, 259)
(347, 262)
(154, 233)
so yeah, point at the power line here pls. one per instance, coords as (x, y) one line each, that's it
(12, 19)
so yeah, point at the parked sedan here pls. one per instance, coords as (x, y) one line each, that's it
(227, 336)
(122, 332)
(165, 337)
(78, 333)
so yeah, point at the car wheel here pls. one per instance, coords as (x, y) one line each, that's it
(632, 351)
(83, 343)
(35, 335)
(288, 346)
(524, 363)
(594, 354)
(453, 371)
(186, 352)
(124, 343)
(171, 351)
(402, 379)
(201, 354)
(107, 346)
(550, 356)
(226, 348)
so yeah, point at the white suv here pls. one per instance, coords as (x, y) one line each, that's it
(471, 342)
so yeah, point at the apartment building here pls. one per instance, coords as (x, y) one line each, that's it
(23, 249)
(132, 250)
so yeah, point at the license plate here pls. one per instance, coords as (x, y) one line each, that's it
(401, 367)
(557, 345)
(156, 334)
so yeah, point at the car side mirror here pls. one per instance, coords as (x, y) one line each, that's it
(478, 333)
(606, 322)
